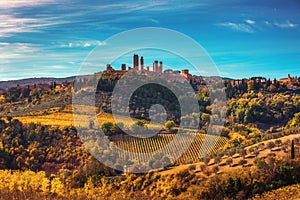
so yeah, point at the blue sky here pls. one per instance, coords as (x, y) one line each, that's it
(51, 38)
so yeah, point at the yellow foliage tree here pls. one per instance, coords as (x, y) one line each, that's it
(57, 187)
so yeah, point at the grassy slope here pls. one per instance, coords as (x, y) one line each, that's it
(225, 168)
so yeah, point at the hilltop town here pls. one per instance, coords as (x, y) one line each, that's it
(290, 83)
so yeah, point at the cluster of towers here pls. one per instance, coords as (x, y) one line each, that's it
(156, 68)
(138, 66)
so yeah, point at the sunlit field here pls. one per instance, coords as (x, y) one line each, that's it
(66, 118)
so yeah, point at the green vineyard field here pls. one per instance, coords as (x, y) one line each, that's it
(195, 146)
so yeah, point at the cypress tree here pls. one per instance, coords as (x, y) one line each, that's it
(293, 150)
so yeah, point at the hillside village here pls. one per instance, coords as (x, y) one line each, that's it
(62, 85)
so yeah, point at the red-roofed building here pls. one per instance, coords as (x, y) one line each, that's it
(2, 91)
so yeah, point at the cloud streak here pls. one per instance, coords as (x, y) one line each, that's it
(249, 21)
(165, 5)
(287, 24)
(83, 44)
(238, 27)
(11, 51)
(10, 25)
(8, 4)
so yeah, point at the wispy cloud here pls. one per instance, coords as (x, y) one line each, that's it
(57, 67)
(268, 23)
(28, 54)
(286, 24)
(12, 51)
(22, 3)
(130, 7)
(94, 64)
(238, 27)
(18, 20)
(10, 25)
(90, 43)
(249, 21)
(152, 6)
(20, 60)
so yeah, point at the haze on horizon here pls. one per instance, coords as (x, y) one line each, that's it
(50, 38)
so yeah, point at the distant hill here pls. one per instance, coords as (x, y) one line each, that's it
(32, 81)
(48, 80)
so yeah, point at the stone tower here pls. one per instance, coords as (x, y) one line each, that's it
(135, 62)
(142, 63)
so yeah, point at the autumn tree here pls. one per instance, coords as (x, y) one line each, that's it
(295, 122)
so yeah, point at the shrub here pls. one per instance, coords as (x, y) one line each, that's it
(228, 161)
(206, 160)
(203, 167)
(242, 162)
(215, 169)
(278, 142)
(107, 127)
(271, 145)
(169, 125)
(192, 167)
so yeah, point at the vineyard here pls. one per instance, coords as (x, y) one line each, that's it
(197, 145)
